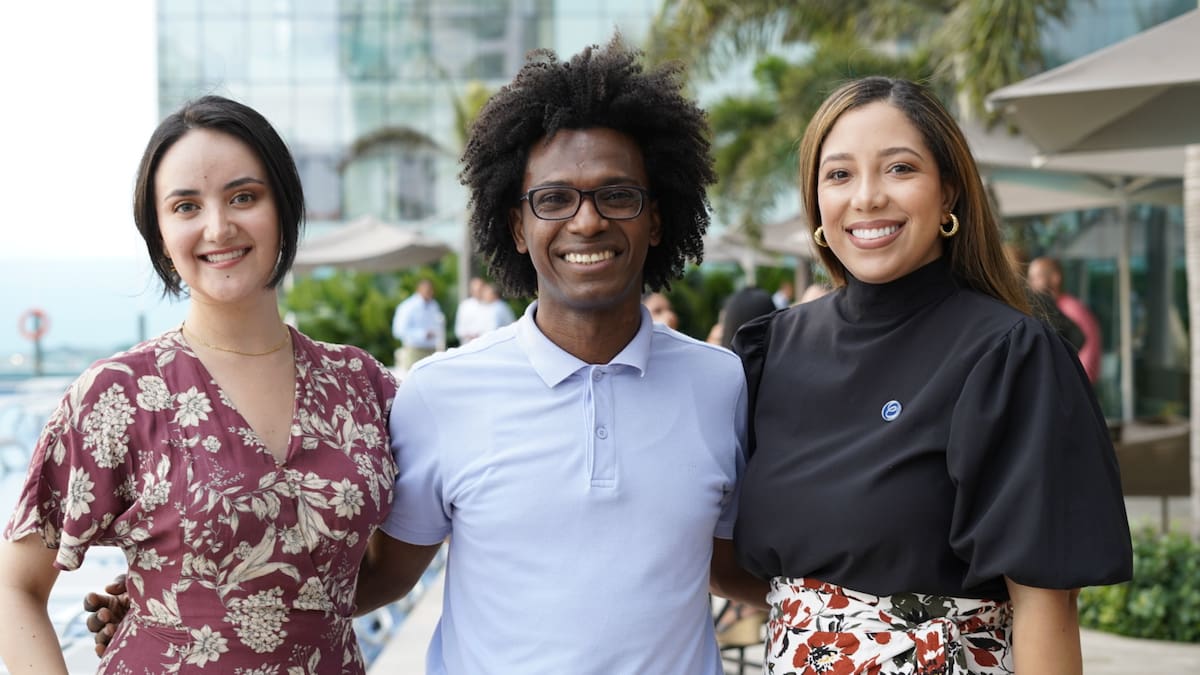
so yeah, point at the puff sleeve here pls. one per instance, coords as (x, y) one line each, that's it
(750, 343)
(1037, 491)
(80, 479)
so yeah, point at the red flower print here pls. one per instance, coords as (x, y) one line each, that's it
(838, 601)
(788, 609)
(929, 652)
(983, 657)
(827, 654)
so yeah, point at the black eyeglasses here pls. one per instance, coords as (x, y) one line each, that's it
(559, 202)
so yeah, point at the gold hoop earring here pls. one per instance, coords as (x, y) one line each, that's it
(819, 237)
(953, 227)
(171, 266)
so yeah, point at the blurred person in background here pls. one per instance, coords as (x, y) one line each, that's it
(660, 310)
(1045, 276)
(466, 317)
(496, 311)
(782, 298)
(419, 325)
(745, 304)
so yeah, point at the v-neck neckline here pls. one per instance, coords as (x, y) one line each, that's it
(261, 446)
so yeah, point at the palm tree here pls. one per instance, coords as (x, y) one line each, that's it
(980, 45)
(963, 49)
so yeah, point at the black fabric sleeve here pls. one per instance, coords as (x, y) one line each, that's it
(750, 343)
(1038, 493)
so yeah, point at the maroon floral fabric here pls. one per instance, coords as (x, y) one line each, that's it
(817, 628)
(237, 563)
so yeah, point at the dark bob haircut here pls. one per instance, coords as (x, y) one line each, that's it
(598, 88)
(245, 124)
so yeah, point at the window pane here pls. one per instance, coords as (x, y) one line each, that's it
(224, 48)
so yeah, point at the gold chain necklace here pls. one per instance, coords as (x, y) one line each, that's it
(286, 335)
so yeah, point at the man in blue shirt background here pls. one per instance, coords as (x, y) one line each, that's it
(419, 325)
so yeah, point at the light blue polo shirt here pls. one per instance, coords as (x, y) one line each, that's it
(582, 500)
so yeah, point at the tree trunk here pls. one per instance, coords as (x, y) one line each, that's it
(1191, 219)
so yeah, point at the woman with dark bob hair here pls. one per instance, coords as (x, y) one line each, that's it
(239, 464)
(930, 479)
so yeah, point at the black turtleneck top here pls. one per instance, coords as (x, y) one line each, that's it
(919, 436)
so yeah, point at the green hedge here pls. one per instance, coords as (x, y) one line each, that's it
(1163, 599)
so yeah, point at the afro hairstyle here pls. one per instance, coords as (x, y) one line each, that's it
(598, 88)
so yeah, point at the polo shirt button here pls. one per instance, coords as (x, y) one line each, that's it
(601, 433)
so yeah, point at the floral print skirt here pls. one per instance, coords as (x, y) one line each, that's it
(817, 628)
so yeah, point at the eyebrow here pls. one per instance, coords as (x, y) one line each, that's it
(886, 152)
(605, 182)
(235, 183)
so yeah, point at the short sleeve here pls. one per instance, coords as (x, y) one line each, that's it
(418, 515)
(80, 475)
(750, 344)
(729, 503)
(1038, 493)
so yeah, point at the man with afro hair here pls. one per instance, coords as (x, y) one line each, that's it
(583, 461)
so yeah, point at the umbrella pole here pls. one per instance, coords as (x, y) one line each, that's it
(1191, 199)
(1125, 307)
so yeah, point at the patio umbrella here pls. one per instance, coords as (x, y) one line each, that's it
(368, 245)
(1027, 183)
(780, 239)
(1142, 92)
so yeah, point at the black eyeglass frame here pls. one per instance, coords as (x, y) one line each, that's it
(645, 195)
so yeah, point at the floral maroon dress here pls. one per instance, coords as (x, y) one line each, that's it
(237, 563)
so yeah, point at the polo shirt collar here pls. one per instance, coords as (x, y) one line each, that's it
(554, 365)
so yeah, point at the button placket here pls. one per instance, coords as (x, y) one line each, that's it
(604, 465)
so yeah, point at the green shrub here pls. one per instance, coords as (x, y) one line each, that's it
(356, 308)
(1163, 599)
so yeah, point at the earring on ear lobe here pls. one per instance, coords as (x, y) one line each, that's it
(953, 227)
(818, 236)
(171, 266)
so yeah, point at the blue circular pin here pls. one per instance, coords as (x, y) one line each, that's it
(891, 410)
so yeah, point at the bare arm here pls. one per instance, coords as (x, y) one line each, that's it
(390, 568)
(28, 642)
(727, 579)
(1045, 630)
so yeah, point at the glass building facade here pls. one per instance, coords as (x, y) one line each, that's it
(1095, 24)
(363, 90)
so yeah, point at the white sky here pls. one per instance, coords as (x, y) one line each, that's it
(78, 105)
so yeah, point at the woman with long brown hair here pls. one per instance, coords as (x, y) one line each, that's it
(930, 477)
